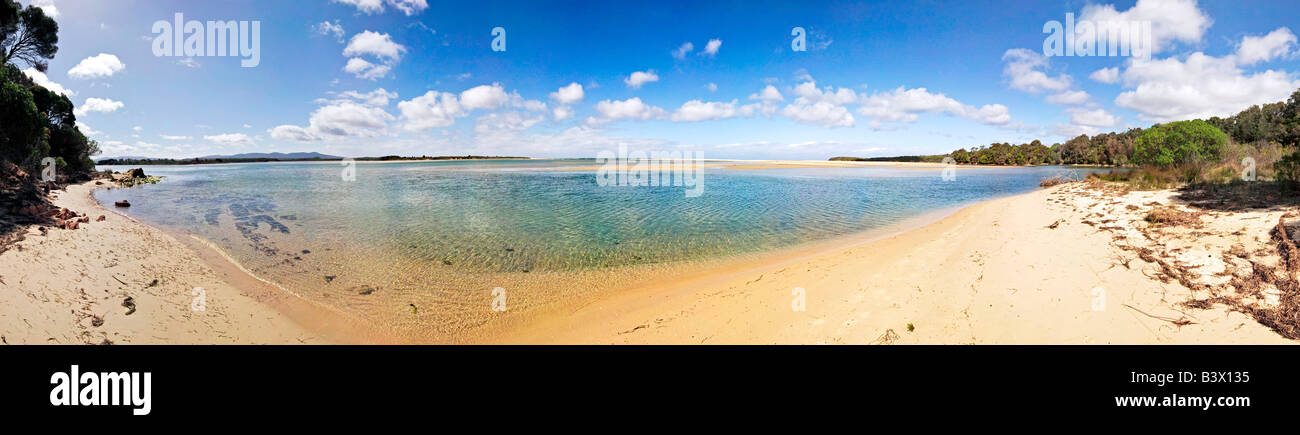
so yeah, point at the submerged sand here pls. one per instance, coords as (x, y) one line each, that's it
(1047, 267)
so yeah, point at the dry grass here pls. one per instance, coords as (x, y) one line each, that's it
(1172, 216)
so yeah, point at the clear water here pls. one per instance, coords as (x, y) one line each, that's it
(430, 231)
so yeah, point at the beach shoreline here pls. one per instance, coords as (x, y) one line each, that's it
(867, 288)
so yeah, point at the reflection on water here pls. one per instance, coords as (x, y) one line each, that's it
(435, 232)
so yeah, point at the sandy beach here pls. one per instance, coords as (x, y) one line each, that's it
(73, 287)
(1063, 265)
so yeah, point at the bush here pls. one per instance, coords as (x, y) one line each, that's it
(1181, 142)
(1287, 170)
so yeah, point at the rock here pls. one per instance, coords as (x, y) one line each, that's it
(135, 173)
(365, 289)
(100, 218)
(123, 203)
(329, 278)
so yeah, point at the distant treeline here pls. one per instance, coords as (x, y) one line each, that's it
(1273, 126)
(205, 161)
(908, 159)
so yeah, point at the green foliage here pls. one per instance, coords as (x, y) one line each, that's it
(1179, 142)
(35, 122)
(22, 132)
(33, 38)
(1287, 170)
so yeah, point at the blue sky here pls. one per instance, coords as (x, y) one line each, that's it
(411, 77)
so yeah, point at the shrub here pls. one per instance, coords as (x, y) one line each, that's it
(1179, 142)
(1287, 170)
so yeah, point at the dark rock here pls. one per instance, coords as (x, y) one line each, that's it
(135, 173)
(123, 203)
(330, 278)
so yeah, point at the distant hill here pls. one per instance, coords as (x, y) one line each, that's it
(275, 156)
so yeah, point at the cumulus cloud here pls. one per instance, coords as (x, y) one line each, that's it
(376, 44)
(905, 105)
(1093, 118)
(337, 120)
(1024, 72)
(101, 65)
(1171, 20)
(363, 69)
(711, 49)
(696, 110)
(1198, 86)
(681, 51)
(639, 78)
(1105, 75)
(572, 93)
(432, 110)
(370, 7)
(484, 97)
(820, 107)
(1276, 44)
(631, 108)
(101, 105)
(769, 93)
(41, 79)
(377, 97)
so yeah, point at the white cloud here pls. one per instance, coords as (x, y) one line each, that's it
(484, 97)
(1199, 86)
(712, 87)
(1022, 70)
(1068, 98)
(379, 45)
(101, 105)
(101, 65)
(48, 7)
(631, 108)
(1275, 44)
(170, 137)
(768, 93)
(1105, 75)
(820, 107)
(408, 7)
(86, 130)
(568, 94)
(188, 62)
(639, 78)
(1171, 20)
(377, 97)
(230, 139)
(905, 105)
(1093, 118)
(432, 110)
(363, 69)
(45, 82)
(328, 28)
(561, 113)
(696, 110)
(341, 119)
(711, 49)
(680, 52)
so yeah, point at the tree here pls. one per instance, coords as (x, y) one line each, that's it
(1179, 142)
(33, 38)
(1290, 119)
(22, 130)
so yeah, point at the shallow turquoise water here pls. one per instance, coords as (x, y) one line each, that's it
(508, 216)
